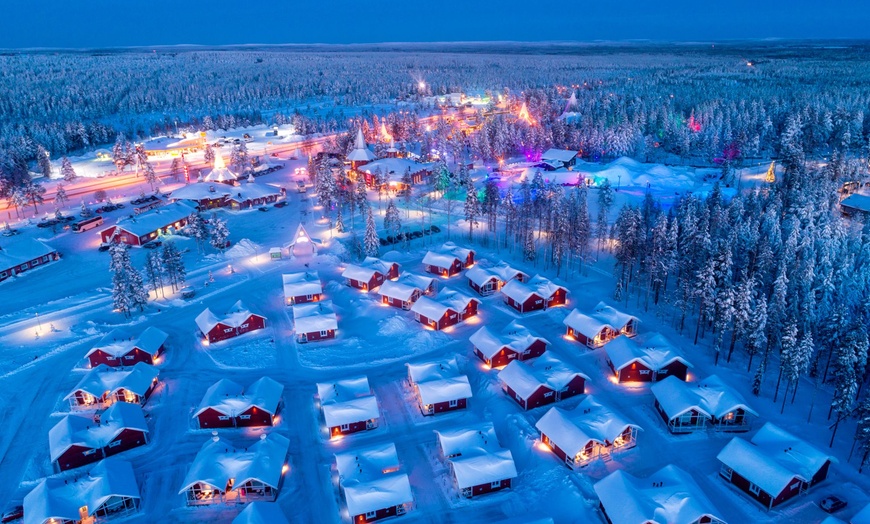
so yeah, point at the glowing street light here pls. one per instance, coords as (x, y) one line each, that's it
(421, 85)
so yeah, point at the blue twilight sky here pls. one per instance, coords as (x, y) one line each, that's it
(112, 23)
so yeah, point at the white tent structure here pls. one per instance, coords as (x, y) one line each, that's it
(302, 243)
(361, 153)
(220, 172)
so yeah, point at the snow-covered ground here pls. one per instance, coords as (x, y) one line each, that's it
(50, 317)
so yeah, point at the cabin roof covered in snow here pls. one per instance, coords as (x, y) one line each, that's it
(438, 259)
(381, 493)
(248, 191)
(230, 398)
(261, 513)
(165, 143)
(589, 421)
(344, 389)
(669, 495)
(361, 152)
(395, 168)
(459, 251)
(710, 396)
(651, 350)
(150, 221)
(773, 458)
(103, 378)
(361, 465)
(469, 440)
(81, 430)
(586, 325)
(433, 370)
(521, 291)
(16, 251)
(561, 155)
(201, 191)
(524, 378)
(857, 201)
(367, 269)
(312, 317)
(474, 470)
(446, 299)
(444, 390)
(403, 288)
(514, 336)
(347, 401)
(119, 342)
(59, 499)
(219, 460)
(302, 284)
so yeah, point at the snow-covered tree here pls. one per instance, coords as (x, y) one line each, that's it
(197, 230)
(218, 233)
(208, 155)
(60, 197)
(128, 290)
(43, 160)
(392, 221)
(173, 265)
(371, 242)
(151, 175)
(472, 209)
(66, 170)
(154, 270)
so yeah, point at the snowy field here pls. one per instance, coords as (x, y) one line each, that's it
(50, 317)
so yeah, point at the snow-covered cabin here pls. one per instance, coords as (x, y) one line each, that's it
(534, 294)
(688, 407)
(601, 326)
(202, 195)
(856, 203)
(559, 158)
(478, 462)
(394, 170)
(439, 386)
(670, 495)
(448, 260)
(261, 513)
(370, 273)
(225, 473)
(102, 386)
(118, 348)
(650, 358)
(589, 432)
(373, 487)
(361, 154)
(248, 195)
(487, 281)
(174, 145)
(514, 342)
(773, 466)
(79, 439)
(302, 244)
(237, 321)
(542, 381)
(403, 292)
(109, 489)
(226, 404)
(18, 255)
(141, 229)
(445, 309)
(302, 287)
(314, 321)
(348, 406)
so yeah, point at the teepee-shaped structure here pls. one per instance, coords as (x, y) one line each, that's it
(571, 105)
(525, 116)
(361, 154)
(220, 172)
(302, 243)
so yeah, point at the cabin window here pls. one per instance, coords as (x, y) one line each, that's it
(754, 489)
(453, 403)
(245, 417)
(726, 472)
(110, 358)
(243, 326)
(345, 427)
(129, 357)
(35, 262)
(371, 515)
(644, 372)
(23, 267)
(114, 444)
(89, 452)
(307, 297)
(223, 417)
(45, 258)
(548, 394)
(323, 333)
(3, 274)
(228, 330)
(495, 484)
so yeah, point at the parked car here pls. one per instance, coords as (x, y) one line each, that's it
(263, 208)
(281, 203)
(104, 247)
(13, 513)
(832, 503)
(188, 292)
(154, 244)
(435, 229)
(8, 232)
(47, 223)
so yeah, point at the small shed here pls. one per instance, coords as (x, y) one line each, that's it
(275, 253)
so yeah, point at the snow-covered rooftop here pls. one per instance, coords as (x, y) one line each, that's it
(151, 221)
(313, 317)
(104, 379)
(446, 299)
(858, 201)
(561, 155)
(471, 440)
(361, 465)
(444, 390)
(201, 191)
(230, 398)
(261, 513)
(394, 168)
(367, 269)
(670, 495)
(237, 315)
(438, 259)
(514, 336)
(773, 458)
(301, 284)
(521, 291)
(524, 378)
(361, 152)
(434, 370)
(381, 493)
(602, 316)
(403, 288)
(347, 401)
(15, 251)
(118, 343)
(220, 172)
(710, 396)
(652, 350)
(166, 143)
(589, 421)
(219, 460)
(81, 430)
(61, 499)
(452, 248)
(476, 455)
(502, 272)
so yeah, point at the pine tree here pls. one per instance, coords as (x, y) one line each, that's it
(150, 175)
(845, 383)
(128, 290)
(218, 233)
(196, 229)
(60, 197)
(371, 242)
(66, 170)
(119, 153)
(43, 161)
(175, 168)
(472, 209)
(756, 329)
(862, 432)
(154, 270)
(339, 220)
(392, 221)
(605, 201)
(208, 155)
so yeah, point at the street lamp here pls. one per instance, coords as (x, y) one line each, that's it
(38, 323)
